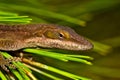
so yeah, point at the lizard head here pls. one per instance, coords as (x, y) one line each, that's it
(54, 36)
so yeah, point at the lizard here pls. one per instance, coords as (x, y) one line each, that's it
(16, 37)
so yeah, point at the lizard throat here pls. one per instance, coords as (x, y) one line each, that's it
(61, 44)
(70, 45)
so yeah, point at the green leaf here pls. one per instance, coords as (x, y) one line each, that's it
(12, 18)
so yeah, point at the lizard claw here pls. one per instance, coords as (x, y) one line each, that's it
(4, 63)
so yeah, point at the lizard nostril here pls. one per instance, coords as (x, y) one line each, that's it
(90, 46)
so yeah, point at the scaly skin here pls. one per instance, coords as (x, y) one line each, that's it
(15, 37)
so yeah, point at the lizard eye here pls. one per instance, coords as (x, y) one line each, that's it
(54, 35)
(61, 35)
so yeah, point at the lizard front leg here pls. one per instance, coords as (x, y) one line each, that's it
(7, 45)
(4, 63)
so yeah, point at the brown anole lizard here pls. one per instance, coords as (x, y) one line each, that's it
(15, 37)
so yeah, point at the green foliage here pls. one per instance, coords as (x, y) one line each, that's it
(62, 57)
(12, 18)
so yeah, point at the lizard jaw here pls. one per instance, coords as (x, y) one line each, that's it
(69, 45)
(54, 43)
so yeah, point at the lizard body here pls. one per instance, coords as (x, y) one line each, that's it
(15, 37)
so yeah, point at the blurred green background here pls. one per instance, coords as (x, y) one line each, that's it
(98, 20)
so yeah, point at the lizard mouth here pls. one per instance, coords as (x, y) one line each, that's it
(74, 46)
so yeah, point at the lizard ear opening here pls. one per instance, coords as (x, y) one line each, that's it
(38, 33)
